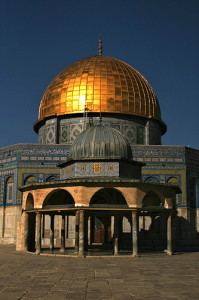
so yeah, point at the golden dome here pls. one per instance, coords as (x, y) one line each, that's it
(100, 83)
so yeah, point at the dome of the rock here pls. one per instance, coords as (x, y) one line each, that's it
(100, 84)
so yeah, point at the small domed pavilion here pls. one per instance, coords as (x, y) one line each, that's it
(99, 190)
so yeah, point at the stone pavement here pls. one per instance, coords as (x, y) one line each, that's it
(151, 276)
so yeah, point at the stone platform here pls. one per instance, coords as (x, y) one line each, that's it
(151, 276)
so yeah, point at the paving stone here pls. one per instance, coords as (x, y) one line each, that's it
(76, 296)
(94, 295)
(59, 288)
(11, 295)
(54, 296)
(36, 294)
(158, 276)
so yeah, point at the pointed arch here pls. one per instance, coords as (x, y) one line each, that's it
(29, 202)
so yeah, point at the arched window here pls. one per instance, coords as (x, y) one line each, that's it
(30, 179)
(197, 192)
(9, 190)
(151, 180)
(173, 180)
(52, 178)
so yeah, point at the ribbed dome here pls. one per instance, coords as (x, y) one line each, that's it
(102, 84)
(100, 142)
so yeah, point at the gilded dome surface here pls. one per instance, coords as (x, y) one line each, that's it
(100, 83)
(100, 142)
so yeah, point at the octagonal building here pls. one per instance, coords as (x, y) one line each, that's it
(89, 92)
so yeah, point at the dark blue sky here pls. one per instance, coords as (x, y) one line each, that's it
(160, 38)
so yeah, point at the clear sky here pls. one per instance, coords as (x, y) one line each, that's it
(39, 38)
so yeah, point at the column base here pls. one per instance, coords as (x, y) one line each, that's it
(37, 252)
(62, 250)
(135, 255)
(169, 252)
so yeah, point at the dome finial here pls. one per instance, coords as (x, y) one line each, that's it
(100, 47)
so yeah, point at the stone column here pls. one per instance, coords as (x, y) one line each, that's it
(67, 226)
(89, 230)
(112, 226)
(81, 233)
(26, 231)
(120, 232)
(153, 232)
(92, 229)
(170, 234)
(86, 232)
(52, 219)
(43, 227)
(135, 233)
(77, 231)
(106, 231)
(38, 233)
(62, 249)
(115, 250)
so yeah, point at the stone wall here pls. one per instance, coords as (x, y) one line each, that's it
(9, 216)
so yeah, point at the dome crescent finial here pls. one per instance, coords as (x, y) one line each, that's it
(100, 47)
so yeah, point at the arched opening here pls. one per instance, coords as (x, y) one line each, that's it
(102, 223)
(152, 223)
(108, 197)
(151, 199)
(29, 205)
(29, 202)
(55, 220)
(59, 198)
(175, 181)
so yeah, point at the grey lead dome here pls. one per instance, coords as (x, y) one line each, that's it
(100, 142)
